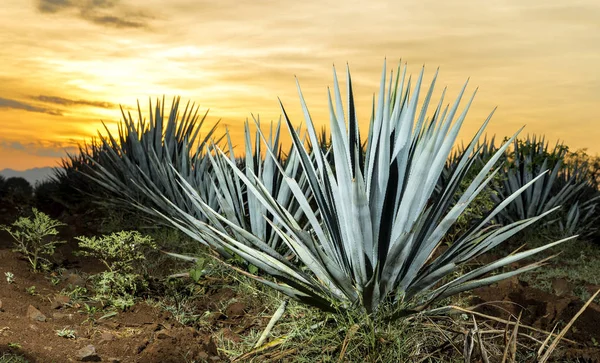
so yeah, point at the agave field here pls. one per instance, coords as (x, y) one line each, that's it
(388, 243)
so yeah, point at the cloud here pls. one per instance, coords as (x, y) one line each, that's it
(39, 148)
(100, 12)
(115, 21)
(69, 102)
(53, 6)
(18, 105)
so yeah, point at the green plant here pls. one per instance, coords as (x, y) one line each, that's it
(14, 345)
(66, 333)
(238, 205)
(75, 293)
(123, 253)
(90, 311)
(31, 290)
(561, 186)
(199, 269)
(10, 277)
(374, 216)
(35, 238)
(134, 152)
(12, 358)
(117, 289)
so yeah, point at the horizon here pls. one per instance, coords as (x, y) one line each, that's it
(69, 65)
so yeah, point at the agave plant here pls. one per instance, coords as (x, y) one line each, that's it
(582, 214)
(478, 208)
(235, 204)
(73, 191)
(376, 220)
(580, 218)
(135, 159)
(242, 207)
(561, 186)
(570, 183)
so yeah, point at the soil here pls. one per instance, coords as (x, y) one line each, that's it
(542, 310)
(145, 333)
(29, 321)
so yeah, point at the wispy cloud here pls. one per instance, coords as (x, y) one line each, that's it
(39, 148)
(537, 60)
(109, 13)
(53, 6)
(71, 102)
(18, 105)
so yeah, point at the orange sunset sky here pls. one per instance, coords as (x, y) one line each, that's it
(66, 65)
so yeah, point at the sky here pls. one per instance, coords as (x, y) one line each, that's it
(67, 65)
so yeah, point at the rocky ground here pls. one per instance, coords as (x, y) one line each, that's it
(44, 318)
(47, 325)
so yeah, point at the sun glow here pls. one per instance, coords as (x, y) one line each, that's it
(64, 71)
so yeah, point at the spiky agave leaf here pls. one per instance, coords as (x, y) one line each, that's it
(581, 218)
(375, 222)
(484, 150)
(137, 159)
(74, 190)
(568, 183)
(560, 186)
(582, 214)
(243, 208)
(234, 205)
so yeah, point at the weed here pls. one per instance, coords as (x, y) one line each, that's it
(35, 238)
(66, 333)
(10, 277)
(12, 358)
(31, 290)
(56, 276)
(90, 311)
(179, 301)
(76, 293)
(123, 253)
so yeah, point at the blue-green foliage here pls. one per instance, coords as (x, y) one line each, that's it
(144, 154)
(570, 182)
(347, 225)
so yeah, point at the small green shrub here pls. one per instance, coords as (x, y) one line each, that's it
(35, 238)
(12, 358)
(123, 253)
(66, 333)
(31, 290)
(10, 277)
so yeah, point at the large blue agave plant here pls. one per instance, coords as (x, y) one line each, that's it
(375, 219)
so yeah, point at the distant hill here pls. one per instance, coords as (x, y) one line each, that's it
(31, 175)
